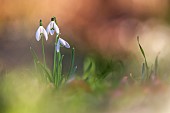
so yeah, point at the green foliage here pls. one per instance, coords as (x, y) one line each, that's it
(54, 76)
(147, 71)
(156, 65)
(72, 67)
(145, 68)
(100, 72)
(22, 92)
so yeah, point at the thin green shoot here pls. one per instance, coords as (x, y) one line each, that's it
(55, 57)
(54, 76)
(156, 65)
(143, 53)
(72, 68)
(43, 52)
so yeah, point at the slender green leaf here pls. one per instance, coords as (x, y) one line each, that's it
(58, 71)
(143, 53)
(72, 68)
(61, 60)
(156, 65)
(47, 72)
(55, 57)
(35, 57)
(151, 71)
(43, 52)
(89, 67)
(143, 71)
(141, 49)
(73, 71)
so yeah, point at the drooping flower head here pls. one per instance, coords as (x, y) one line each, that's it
(61, 42)
(52, 27)
(41, 31)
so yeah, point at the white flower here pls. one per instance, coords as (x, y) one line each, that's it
(52, 27)
(41, 31)
(63, 43)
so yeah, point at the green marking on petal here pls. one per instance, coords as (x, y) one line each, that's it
(40, 22)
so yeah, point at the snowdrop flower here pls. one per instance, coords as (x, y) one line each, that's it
(52, 27)
(63, 43)
(41, 31)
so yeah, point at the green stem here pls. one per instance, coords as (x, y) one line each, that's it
(147, 70)
(43, 51)
(55, 60)
(58, 69)
(72, 63)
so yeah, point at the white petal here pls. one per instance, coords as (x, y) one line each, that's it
(52, 32)
(64, 43)
(41, 29)
(56, 28)
(58, 46)
(48, 29)
(45, 34)
(51, 27)
(38, 37)
(52, 24)
(67, 45)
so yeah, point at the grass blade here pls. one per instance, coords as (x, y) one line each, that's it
(43, 52)
(55, 57)
(72, 68)
(37, 63)
(156, 65)
(47, 72)
(58, 71)
(88, 68)
(143, 53)
(143, 71)
(34, 54)
(35, 57)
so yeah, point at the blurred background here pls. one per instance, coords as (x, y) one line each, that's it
(103, 27)
(99, 30)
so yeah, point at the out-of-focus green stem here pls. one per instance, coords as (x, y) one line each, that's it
(35, 57)
(43, 51)
(55, 74)
(72, 63)
(55, 59)
(58, 67)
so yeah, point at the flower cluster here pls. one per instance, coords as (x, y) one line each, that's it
(51, 29)
(54, 75)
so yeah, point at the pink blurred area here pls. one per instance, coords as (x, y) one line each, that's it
(103, 26)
